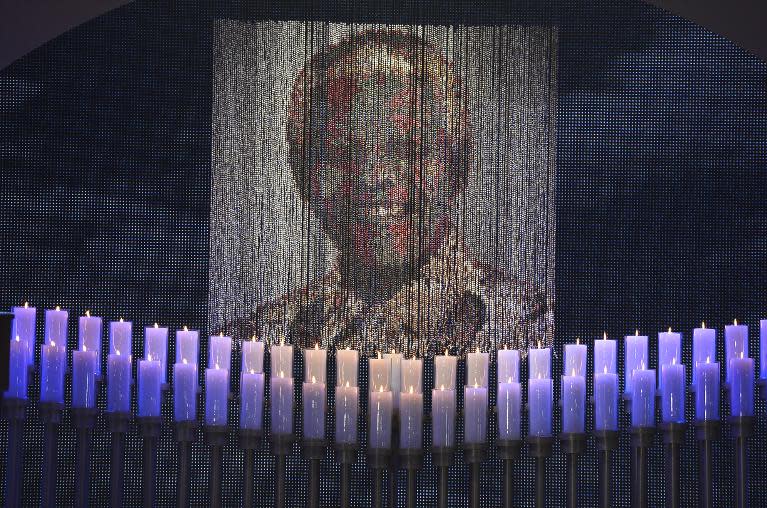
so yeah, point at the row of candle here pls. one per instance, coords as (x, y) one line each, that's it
(395, 383)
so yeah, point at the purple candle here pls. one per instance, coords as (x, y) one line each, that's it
(347, 412)
(735, 345)
(539, 397)
(216, 397)
(56, 327)
(475, 414)
(635, 358)
(575, 359)
(17, 369)
(313, 397)
(703, 349)
(118, 383)
(672, 391)
(219, 352)
(184, 392)
(669, 351)
(477, 369)
(509, 410)
(89, 338)
(443, 417)
(121, 337)
(508, 366)
(156, 347)
(281, 394)
(411, 420)
(188, 347)
(149, 381)
(347, 361)
(763, 349)
(53, 364)
(252, 401)
(84, 379)
(573, 404)
(643, 398)
(24, 319)
(605, 401)
(444, 371)
(252, 356)
(707, 392)
(741, 386)
(540, 363)
(605, 355)
(380, 407)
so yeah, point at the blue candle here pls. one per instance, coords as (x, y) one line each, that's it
(703, 349)
(156, 347)
(763, 349)
(149, 382)
(741, 387)
(635, 358)
(56, 327)
(216, 396)
(643, 399)
(573, 404)
(188, 347)
(443, 417)
(89, 338)
(735, 345)
(605, 357)
(347, 413)
(24, 327)
(184, 392)
(474, 414)
(121, 338)
(669, 351)
(118, 383)
(252, 400)
(53, 364)
(84, 379)
(707, 392)
(281, 395)
(606, 401)
(672, 391)
(575, 360)
(539, 396)
(220, 352)
(509, 411)
(17, 369)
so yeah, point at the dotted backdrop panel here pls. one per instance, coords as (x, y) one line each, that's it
(105, 164)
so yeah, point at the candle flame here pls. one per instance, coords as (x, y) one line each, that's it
(186, 329)
(477, 350)
(641, 365)
(252, 371)
(117, 352)
(253, 338)
(573, 371)
(216, 365)
(149, 357)
(577, 340)
(539, 344)
(58, 308)
(184, 360)
(347, 384)
(505, 346)
(605, 369)
(741, 355)
(509, 381)
(604, 335)
(669, 329)
(220, 334)
(540, 376)
(85, 348)
(121, 320)
(445, 351)
(442, 388)
(380, 389)
(348, 348)
(392, 350)
(379, 355)
(673, 360)
(703, 324)
(316, 346)
(282, 341)
(708, 359)
(282, 374)
(18, 339)
(735, 322)
(636, 333)
(87, 313)
(314, 379)
(53, 343)
(26, 305)
(411, 388)
(476, 385)
(156, 325)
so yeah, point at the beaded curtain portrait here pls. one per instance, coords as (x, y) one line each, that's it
(383, 187)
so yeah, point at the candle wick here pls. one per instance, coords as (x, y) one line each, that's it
(18, 338)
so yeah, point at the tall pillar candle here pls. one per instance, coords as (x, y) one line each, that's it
(380, 408)
(703, 349)
(252, 356)
(56, 327)
(395, 360)
(735, 345)
(669, 351)
(53, 365)
(573, 403)
(540, 363)
(477, 369)
(539, 399)
(89, 338)
(149, 381)
(444, 372)
(379, 374)
(118, 383)
(156, 347)
(475, 414)
(643, 398)
(188, 347)
(220, 352)
(509, 410)
(314, 392)
(121, 338)
(184, 392)
(315, 364)
(252, 400)
(605, 356)
(672, 389)
(707, 392)
(281, 398)
(216, 397)
(282, 360)
(763, 349)
(605, 400)
(443, 416)
(508, 366)
(411, 405)
(24, 322)
(636, 358)
(347, 413)
(741, 386)
(575, 360)
(84, 379)
(18, 369)
(347, 361)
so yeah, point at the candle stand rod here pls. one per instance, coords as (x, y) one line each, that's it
(508, 451)
(346, 454)
(118, 427)
(540, 448)
(742, 429)
(475, 454)
(50, 414)
(84, 419)
(281, 447)
(673, 438)
(706, 432)
(411, 460)
(394, 460)
(186, 434)
(14, 411)
(314, 450)
(573, 444)
(250, 440)
(215, 438)
(378, 459)
(607, 441)
(150, 432)
(443, 458)
(641, 441)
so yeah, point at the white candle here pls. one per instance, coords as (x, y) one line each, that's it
(444, 371)
(380, 372)
(395, 377)
(475, 414)
(24, 319)
(509, 410)
(411, 418)
(220, 352)
(149, 381)
(282, 360)
(703, 349)
(89, 338)
(313, 396)
(476, 369)
(347, 413)
(120, 338)
(540, 363)
(156, 347)
(380, 407)
(84, 379)
(635, 358)
(443, 417)
(605, 361)
(735, 345)
(188, 347)
(216, 396)
(412, 376)
(508, 366)
(315, 361)
(118, 383)
(252, 401)
(53, 365)
(539, 396)
(18, 369)
(669, 352)
(184, 392)
(573, 403)
(253, 356)
(56, 327)
(347, 361)
(281, 394)
(575, 359)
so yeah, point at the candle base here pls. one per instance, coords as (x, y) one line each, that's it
(378, 460)
(83, 419)
(443, 458)
(14, 410)
(346, 455)
(150, 432)
(540, 448)
(394, 459)
(606, 441)
(314, 451)
(411, 461)
(118, 427)
(282, 445)
(50, 415)
(508, 452)
(706, 431)
(249, 441)
(673, 438)
(741, 428)
(474, 454)
(185, 433)
(641, 439)
(215, 437)
(573, 444)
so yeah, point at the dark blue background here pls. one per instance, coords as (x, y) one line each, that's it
(105, 139)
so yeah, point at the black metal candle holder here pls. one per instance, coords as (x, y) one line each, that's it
(118, 428)
(394, 460)
(215, 438)
(706, 432)
(573, 445)
(378, 460)
(742, 427)
(84, 419)
(607, 441)
(346, 455)
(508, 452)
(540, 448)
(250, 441)
(14, 411)
(443, 458)
(474, 454)
(50, 414)
(313, 450)
(150, 432)
(641, 441)
(185, 434)
(673, 439)
(282, 445)
(411, 460)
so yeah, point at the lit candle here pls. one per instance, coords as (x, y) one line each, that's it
(149, 381)
(184, 392)
(605, 355)
(605, 400)
(253, 356)
(56, 327)
(156, 347)
(313, 397)
(707, 392)
(53, 365)
(282, 360)
(539, 396)
(672, 389)
(735, 345)
(509, 410)
(508, 366)
(315, 361)
(643, 398)
(24, 319)
(763, 349)
(575, 359)
(346, 367)
(188, 347)
(84, 379)
(89, 339)
(395, 377)
(475, 414)
(476, 369)
(573, 403)
(220, 352)
(703, 349)
(121, 338)
(380, 407)
(411, 405)
(741, 386)
(216, 396)
(669, 351)
(252, 400)
(540, 363)
(444, 371)
(380, 374)
(635, 358)
(118, 383)
(412, 376)
(17, 369)
(347, 412)
(281, 393)
(443, 414)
